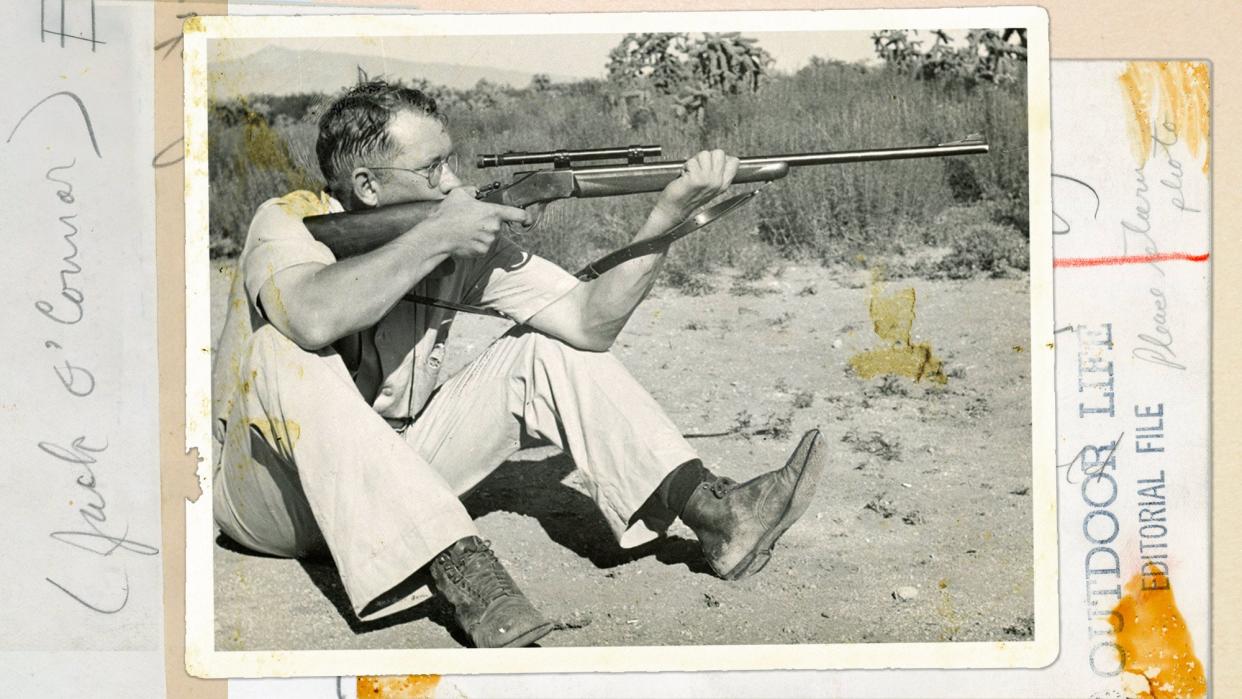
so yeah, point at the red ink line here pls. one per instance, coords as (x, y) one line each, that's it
(1129, 260)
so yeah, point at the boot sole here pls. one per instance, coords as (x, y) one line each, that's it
(799, 500)
(530, 636)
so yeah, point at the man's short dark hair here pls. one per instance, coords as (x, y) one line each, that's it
(355, 127)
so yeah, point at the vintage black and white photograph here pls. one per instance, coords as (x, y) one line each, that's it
(705, 336)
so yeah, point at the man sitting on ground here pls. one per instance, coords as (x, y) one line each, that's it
(332, 431)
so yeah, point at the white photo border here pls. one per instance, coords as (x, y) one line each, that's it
(204, 660)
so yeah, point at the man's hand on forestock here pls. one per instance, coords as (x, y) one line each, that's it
(704, 177)
(467, 226)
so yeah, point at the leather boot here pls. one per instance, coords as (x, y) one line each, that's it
(487, 603)
(738, 525)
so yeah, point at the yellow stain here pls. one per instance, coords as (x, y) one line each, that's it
(1158, 655)
(193, 24)
(397, 687)
(948, 614)
(265, 150)
(1168, 92)
(285, 432)
(892, 318)
(303, 203)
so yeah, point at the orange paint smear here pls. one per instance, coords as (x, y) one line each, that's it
(1168, 92)
(398, 687)
(1158, 656)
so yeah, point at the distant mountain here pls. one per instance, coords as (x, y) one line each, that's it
(279, 71)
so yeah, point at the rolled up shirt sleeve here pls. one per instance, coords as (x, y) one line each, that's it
(279, 240)
(515, 282)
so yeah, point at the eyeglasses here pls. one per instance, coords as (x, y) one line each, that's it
(432, 172)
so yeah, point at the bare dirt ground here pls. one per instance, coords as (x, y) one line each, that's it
(929, 487)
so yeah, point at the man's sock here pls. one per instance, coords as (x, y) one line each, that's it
(677, 487)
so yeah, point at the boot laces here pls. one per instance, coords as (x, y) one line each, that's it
(475, 568)
(722, 486)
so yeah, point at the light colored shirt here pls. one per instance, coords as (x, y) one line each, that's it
(396, 363)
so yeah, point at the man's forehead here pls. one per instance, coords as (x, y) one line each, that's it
(420, 136)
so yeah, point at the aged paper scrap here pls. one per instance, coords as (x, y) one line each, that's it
(80, 487)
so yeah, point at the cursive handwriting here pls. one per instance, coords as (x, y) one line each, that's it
(99, 531)
(1156, 346)
(74, 312)
(157, 163)
(124, 600)
(1174, 180)
(72, 373)
(64, 192)
(96, 541)
(93, 538)
(1095, 469)
(1142, 214)
(86, 117)
(1060, 225)
(70, 376)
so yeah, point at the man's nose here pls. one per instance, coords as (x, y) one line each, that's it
(449, 180)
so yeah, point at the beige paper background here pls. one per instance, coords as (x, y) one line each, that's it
(1102, 29)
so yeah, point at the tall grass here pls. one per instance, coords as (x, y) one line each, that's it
(248, 164)
(832, 214)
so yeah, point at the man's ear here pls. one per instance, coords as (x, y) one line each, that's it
(366, 186)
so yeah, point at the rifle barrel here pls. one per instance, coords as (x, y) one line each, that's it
(613, 180)
(860, 156)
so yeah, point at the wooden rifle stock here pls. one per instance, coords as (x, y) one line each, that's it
(357, 232)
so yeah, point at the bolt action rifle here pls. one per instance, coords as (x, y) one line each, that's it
(357, 232)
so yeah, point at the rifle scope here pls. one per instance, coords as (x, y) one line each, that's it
(634, 155)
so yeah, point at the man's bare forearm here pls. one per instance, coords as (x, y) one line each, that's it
(342, 298)
(593, 314)
(614, 295)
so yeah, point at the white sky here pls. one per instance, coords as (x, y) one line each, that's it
(572, 55)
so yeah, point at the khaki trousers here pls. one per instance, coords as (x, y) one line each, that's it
(307, 463)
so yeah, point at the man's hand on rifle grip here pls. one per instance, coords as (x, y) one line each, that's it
(467, 226)
(534, 213)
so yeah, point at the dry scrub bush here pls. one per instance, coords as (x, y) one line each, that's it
(844, 214)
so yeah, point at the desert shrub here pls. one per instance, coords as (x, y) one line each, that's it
(874, 443)
(803, 399)
(752, 261)
(985, 248)
(250, 161)
(263, 147)
(962, 181)
(687, 280)
(987, 56)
